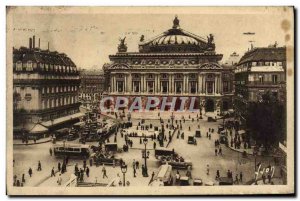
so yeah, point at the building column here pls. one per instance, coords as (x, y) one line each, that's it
(125, 84)
(187, 84)
(142, 83)
(170, 84)
(158, 83)
(129, 82)
(199, 84)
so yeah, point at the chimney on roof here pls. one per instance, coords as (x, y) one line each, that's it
(33, 42)
(39, 43)
(30, 43)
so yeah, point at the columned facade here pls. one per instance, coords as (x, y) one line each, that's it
(173, 64)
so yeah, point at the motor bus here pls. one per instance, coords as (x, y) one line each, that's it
(71, 150)
(163, 177)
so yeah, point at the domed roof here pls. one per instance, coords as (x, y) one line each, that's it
(176, 40)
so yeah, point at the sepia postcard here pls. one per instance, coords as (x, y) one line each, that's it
(150, 101)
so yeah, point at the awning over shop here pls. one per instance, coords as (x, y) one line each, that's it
(25, 127)
(241, 132)
(62, 119)
(38, 128)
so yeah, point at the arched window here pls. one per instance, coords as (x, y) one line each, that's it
(29, 66)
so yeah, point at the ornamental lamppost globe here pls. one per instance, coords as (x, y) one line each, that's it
(124, 170)
(145, 141)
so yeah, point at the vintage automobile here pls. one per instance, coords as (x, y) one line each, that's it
(105, 158)
(163, 152)
(191, 140)
(184, 181)
(181, 164)
(225, 181)
(111, 147)
(198, 133)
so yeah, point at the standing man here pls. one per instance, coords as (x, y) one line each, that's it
(50, 151)
(134, 172)
(59, 166)
(59, 180)
(87, 171)
(137, 164)
(52, 172)
(207, 169)
(104, 172)
(39, 166)
(241, 176)
(30, 172)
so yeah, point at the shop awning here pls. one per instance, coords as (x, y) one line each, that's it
(241, 132)
(38, 128)
(62, 120)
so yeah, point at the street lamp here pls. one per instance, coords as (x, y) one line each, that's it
(145, 141)
(124, 170)
(172, 118)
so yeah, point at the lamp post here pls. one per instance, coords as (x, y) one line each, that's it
(145, 155)
(124, 170)
(172, 118)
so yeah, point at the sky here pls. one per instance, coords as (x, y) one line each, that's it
(89, 38)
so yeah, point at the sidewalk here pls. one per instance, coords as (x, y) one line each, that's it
(31, 142)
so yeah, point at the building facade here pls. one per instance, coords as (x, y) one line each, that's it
(91, 85)
(45, 88)
(174, 64)
(260, 70)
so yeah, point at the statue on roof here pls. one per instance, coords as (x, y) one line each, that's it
(175, 22)
(122, 47)
(210, 42)
(142, 38)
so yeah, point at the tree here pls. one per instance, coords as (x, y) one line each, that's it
(266, 120)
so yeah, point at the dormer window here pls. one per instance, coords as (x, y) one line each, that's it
(19, 66)
(29, 66)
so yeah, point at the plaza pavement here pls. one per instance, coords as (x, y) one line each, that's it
(201, 155)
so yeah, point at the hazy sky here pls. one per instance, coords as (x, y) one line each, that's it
(88, 39)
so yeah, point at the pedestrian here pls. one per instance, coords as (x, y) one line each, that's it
(104, 172)
(134, 172)
(220, 151)
(67, 160)
(209, 136)
(236, 179)
(269, 178)
(133, 164)
(91, 162)
(23, 178)
(50, 151)
(241, 176)
(152, 177)
(137, 164)
(15, 180)
(216, 151)
(228, 173)
(154, 145)
(52, 172)
(30, 172)
(39, 166)
(59, 180)
(59, 166)
(218, 174)
(207, 169)
(87, 171)
(264, 178)
(84, 164)
(81, 174)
